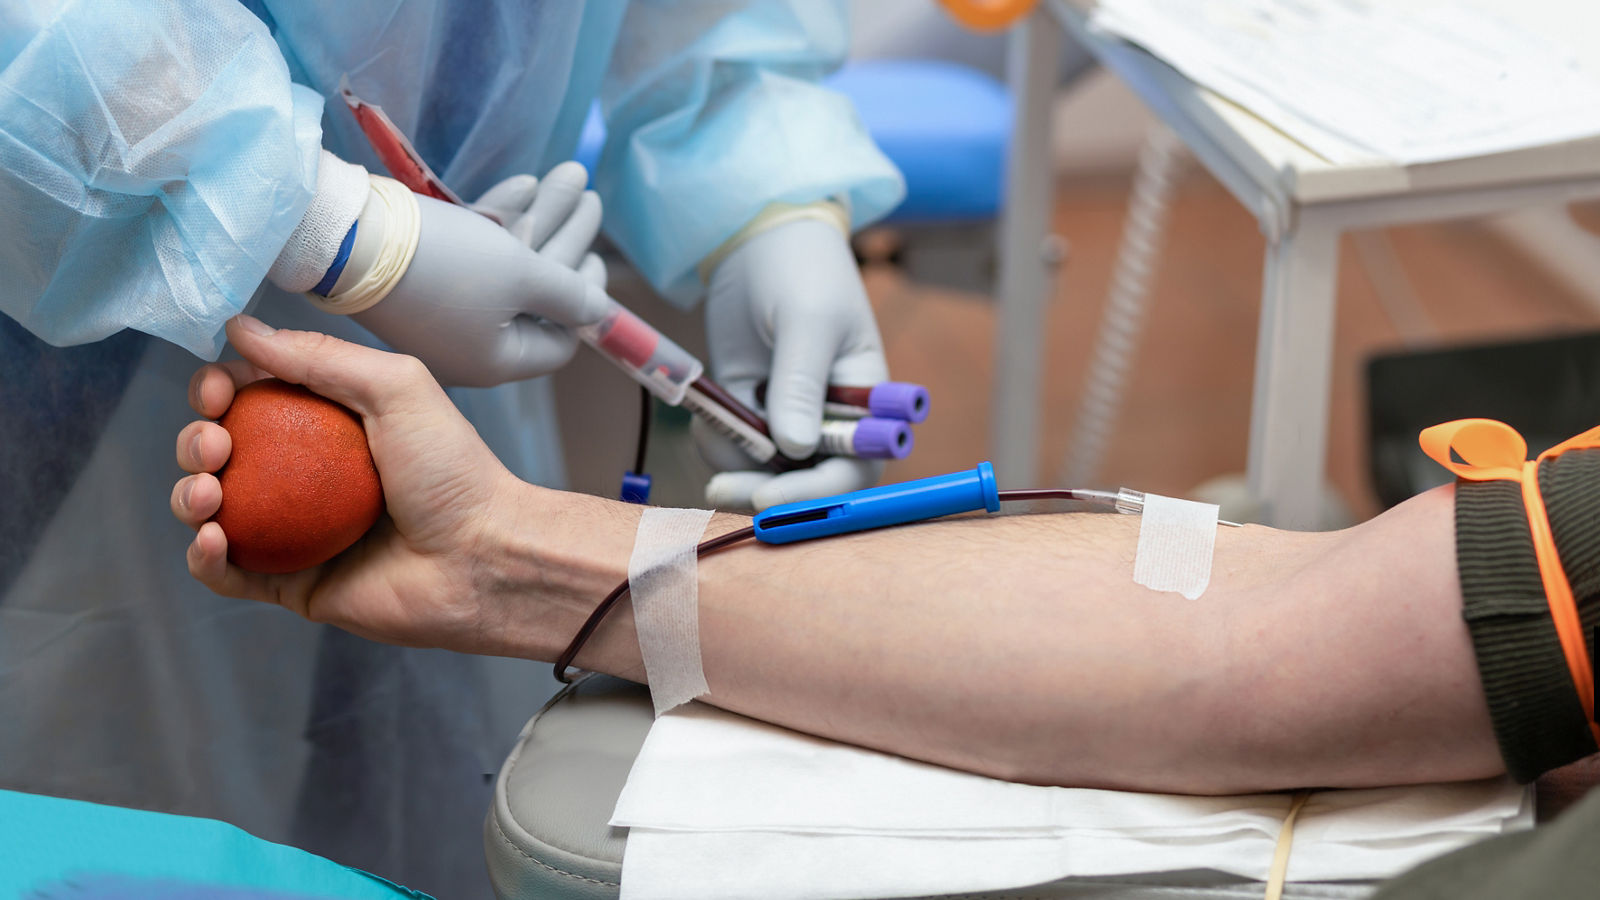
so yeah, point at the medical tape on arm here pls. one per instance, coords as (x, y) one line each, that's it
(392, 211)
(663, 579)
(1176, 542)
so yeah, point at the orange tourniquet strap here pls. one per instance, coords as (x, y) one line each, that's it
(988, 15)
(1494, 451)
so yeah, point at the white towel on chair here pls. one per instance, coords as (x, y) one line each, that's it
(720, 806)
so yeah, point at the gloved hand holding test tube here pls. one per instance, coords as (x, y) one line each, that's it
(668, 371)
(677, 378)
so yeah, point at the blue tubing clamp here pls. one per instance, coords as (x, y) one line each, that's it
(880, 507)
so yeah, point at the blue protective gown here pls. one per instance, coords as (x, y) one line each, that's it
(154, 156)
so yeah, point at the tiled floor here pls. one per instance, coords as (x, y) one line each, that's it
(1186, 412)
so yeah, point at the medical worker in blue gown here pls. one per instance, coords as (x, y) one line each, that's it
(164, 161)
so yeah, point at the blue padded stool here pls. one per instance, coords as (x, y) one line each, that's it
(946, 126)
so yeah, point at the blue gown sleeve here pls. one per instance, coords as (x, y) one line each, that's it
(713, 110)
(154, 158)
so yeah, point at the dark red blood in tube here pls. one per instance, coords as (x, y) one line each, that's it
(395, 152)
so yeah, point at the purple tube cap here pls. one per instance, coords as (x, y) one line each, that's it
(898, 400)
(882, 439)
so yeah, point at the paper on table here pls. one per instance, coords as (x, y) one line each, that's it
(806, 817)
(1354, 80)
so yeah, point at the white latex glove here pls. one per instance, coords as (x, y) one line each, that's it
(557, 218)
(482, 304)
(788, 305)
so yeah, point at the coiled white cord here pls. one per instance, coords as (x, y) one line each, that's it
(1161, 163)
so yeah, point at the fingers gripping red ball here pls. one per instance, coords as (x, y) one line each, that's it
(300, 486)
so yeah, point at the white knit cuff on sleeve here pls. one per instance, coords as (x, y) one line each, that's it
(341, 193)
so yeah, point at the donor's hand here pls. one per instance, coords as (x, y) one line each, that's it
(434, 570)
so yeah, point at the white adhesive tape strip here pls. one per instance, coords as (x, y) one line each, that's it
(1176, 540)
(663, 579)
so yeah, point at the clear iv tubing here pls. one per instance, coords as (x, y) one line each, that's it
(1107, 498)
(1126, 501)
(811, 523)
(563, 663)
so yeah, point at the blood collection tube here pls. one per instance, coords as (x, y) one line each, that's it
(396, 152)
(868, 437)
(886, 399)
(676, 378)
(648, 356)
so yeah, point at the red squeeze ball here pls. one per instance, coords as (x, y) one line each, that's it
(300, 485)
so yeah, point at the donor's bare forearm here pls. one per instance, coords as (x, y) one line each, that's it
(1020, 647)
